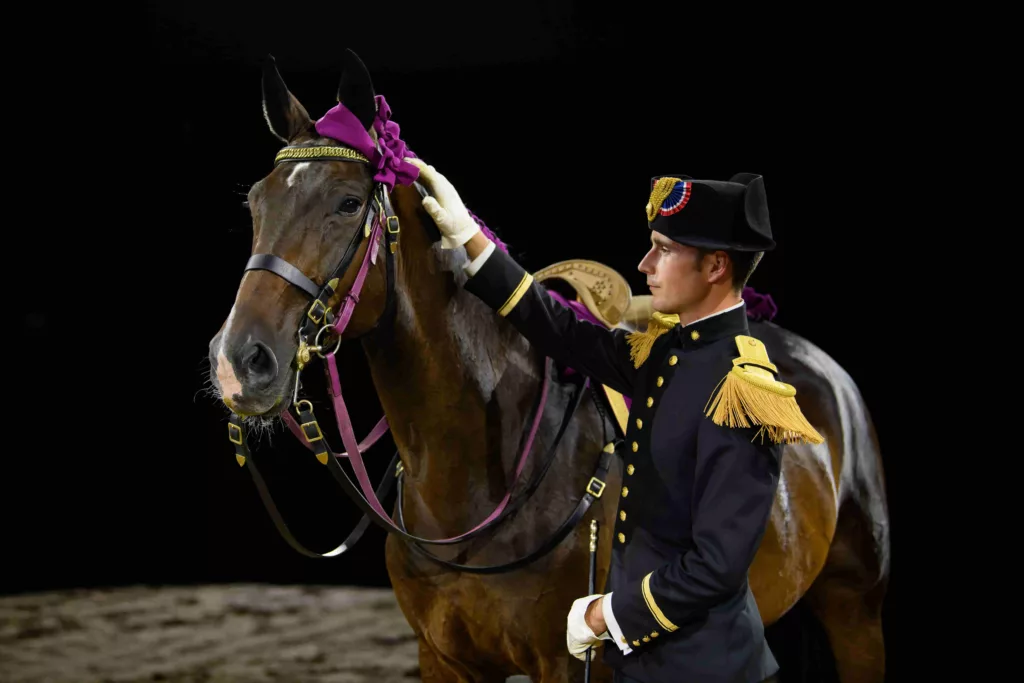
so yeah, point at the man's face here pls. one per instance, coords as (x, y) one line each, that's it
(675, 274)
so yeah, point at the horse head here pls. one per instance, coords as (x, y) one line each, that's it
(312, 219)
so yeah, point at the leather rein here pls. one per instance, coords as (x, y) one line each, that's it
(381, 223)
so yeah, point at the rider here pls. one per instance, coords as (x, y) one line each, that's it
(705, 432)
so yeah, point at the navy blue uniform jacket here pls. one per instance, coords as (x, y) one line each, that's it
(696, 496)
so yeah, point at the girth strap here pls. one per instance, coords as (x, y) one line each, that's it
(284, 269)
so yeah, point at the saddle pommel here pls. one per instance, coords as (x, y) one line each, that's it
(601, 289)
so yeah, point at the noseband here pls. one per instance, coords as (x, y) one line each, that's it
(380, 222)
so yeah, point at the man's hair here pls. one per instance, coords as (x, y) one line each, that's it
(743, 265)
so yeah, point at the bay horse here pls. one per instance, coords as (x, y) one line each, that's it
(457, 385)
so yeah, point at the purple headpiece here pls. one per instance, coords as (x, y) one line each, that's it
(342, 125)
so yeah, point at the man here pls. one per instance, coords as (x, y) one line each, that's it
(704, 437)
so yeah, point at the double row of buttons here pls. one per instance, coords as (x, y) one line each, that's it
(630, 469)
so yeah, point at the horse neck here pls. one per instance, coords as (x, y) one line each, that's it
(437, 376)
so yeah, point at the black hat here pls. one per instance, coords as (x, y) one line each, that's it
(712, 214)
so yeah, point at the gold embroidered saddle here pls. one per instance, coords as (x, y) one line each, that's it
(606, 295)
(604, 292)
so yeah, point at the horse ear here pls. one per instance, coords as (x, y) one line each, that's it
(285, 115)
(356, 89)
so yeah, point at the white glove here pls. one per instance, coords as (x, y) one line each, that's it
(578, 636)
(445, 207)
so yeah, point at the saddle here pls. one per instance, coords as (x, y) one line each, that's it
(606, 296)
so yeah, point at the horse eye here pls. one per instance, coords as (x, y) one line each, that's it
(349, 206)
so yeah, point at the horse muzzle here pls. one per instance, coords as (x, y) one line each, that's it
(249, 373)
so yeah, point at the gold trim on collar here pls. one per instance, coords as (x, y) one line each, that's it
(319, 152)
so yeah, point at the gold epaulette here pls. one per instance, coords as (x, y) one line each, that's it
(641, 343)
(750, 395)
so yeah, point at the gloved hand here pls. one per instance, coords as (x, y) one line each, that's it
(578, 636)
(445, 207)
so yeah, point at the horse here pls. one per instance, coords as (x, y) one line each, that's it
(458, 386)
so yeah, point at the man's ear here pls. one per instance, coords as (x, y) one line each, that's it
(720, 265)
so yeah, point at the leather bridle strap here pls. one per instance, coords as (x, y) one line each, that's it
(592, 493)
(313, 436)
(283, 269)
(237, 436)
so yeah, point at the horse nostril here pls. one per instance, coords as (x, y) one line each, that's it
(259, 363)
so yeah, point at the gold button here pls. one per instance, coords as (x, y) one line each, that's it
(654, 634)
(629, 470)
(673, 360)
(636, 643)
(625, 491)
(639, 423)
(647, 639)
(661, 380)
(635, 446)
(622, 537)
(695, 335)
(622, 515)
(623, 638)
(650, 401)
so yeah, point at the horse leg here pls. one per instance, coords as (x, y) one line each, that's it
(847, 597)
(435, 667)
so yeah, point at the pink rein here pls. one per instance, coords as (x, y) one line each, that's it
(353, 450)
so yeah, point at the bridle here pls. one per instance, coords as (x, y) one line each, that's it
(380, 222)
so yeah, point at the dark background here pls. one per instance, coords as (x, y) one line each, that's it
(548, 117)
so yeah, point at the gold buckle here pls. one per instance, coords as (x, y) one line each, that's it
(601, 484)
(320, 434)
(232, 428)
(322, 313)
(387, 224)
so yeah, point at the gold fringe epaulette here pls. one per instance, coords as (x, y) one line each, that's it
(641, 343)
(750, 395)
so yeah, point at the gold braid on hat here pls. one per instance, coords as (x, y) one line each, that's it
(662, 188)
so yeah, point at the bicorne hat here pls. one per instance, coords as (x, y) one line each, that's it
(712, 214)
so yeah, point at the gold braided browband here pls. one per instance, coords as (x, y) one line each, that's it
(320, 152)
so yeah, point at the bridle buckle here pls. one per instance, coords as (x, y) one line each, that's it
(319, 313)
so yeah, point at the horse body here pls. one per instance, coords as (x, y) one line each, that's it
(458, 385)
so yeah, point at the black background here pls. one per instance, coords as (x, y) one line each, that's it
(549, 119)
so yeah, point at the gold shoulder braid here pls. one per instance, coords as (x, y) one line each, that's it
(641, 343)
(751, 394)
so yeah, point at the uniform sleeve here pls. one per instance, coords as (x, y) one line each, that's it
(734, 488)
(595, 351)
(614, 630)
